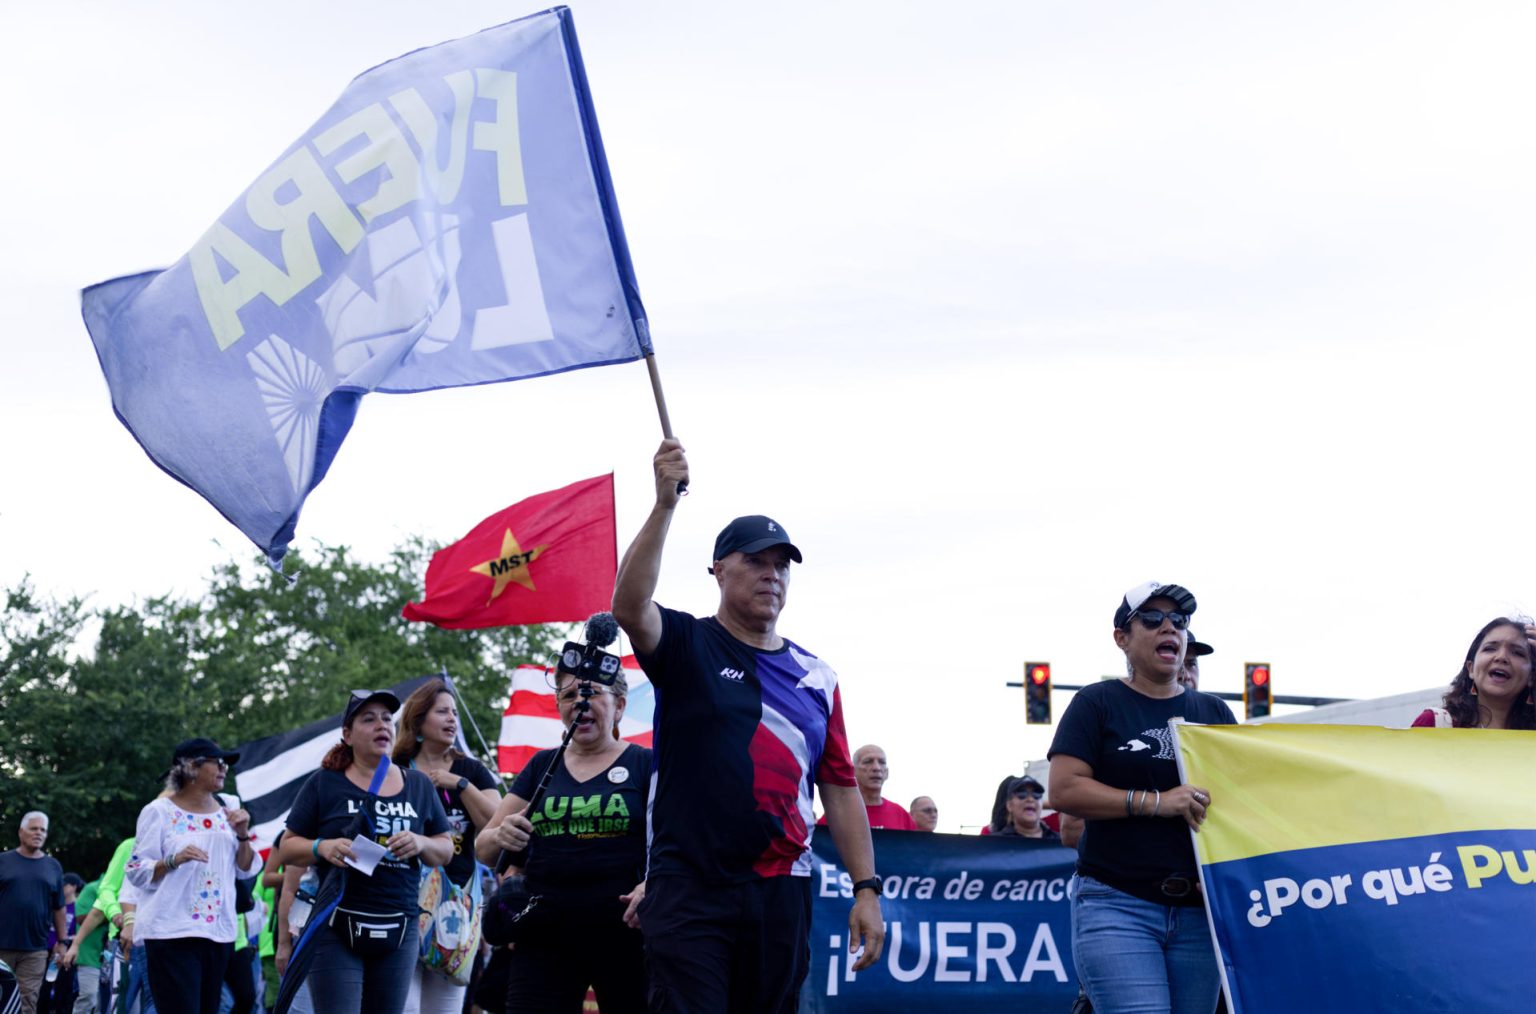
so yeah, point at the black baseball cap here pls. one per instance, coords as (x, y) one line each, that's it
(1138, 596)
(751, 534)
(202, 748)
(1195, 648)
(1023, 783)
(362, 697)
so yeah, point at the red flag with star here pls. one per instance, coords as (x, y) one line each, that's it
(550, 558)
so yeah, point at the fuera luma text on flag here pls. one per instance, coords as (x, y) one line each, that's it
(448, 221)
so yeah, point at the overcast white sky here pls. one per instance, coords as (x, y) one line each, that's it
(998, 308)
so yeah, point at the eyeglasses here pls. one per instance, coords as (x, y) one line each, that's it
(1153, 618)
(1028, 794)
(220, 761)
(571, 694)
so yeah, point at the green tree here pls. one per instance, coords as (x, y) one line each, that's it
(275, 655)
(90, 725)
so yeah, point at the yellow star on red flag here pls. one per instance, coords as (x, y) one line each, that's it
(569, 531)
(510, 566)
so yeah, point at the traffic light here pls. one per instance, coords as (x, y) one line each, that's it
(1258, 695)
(1037, 693)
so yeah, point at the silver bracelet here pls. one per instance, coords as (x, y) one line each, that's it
(1158, 805)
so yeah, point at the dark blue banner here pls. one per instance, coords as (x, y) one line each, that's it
(971, 922)
(1441, 898)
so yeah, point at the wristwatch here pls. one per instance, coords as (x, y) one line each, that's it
(463, 784)
(873, 883)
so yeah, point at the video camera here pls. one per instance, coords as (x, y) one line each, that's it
(588, 662)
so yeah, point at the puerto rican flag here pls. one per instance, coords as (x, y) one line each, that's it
(532, 720)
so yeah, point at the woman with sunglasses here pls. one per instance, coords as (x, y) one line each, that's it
(188, 850)
(585, 866)
(1026, 800)
(1494, 687)
(1139, 931)
(366, 951)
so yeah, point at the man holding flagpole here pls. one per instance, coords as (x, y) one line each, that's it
(746, 722)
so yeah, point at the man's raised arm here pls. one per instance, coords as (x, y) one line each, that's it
(641, 566)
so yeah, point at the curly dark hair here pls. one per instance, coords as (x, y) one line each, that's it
(1461, 697)
(337, 758)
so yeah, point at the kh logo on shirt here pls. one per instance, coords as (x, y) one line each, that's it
(733, 674)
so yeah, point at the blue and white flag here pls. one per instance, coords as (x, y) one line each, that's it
(449, 221)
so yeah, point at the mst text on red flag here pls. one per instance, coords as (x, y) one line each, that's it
(548, 559)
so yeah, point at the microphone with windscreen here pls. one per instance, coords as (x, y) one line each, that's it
(589, 661)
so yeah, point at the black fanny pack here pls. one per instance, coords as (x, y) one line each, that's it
(370, 934)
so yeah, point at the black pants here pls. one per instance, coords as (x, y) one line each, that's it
(740, 948)
(576, 944)
(240, 977)
(185, 974)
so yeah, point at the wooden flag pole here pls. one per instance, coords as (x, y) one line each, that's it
(661, 398)
(661, 408)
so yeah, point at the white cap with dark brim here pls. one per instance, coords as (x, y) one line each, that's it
(1142, 593)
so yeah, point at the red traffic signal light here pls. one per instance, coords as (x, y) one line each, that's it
(1037, 693)
(1258, 694)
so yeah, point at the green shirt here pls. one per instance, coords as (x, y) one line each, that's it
(90, 947)
(268, 945)
(111, 882)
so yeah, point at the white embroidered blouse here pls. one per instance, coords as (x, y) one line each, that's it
(196, 899)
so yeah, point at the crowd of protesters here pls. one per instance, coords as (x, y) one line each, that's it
(668, 881)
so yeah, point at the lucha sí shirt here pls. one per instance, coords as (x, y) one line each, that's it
(741, 736)
(328, 803)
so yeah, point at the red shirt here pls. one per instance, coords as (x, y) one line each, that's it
(888, 815)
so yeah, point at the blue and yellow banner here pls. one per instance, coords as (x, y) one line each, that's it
(448, 221)
(1355, 869)
(980, 923)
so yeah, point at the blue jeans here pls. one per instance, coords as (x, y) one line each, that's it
(1137, 957)
(138, 983)
(340, 982)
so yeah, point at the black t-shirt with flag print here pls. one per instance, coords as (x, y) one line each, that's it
(1124, 737)
(589, 836)
(742, 736)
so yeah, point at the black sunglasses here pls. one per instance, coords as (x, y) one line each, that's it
(1153, 618)
(1028, 794)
